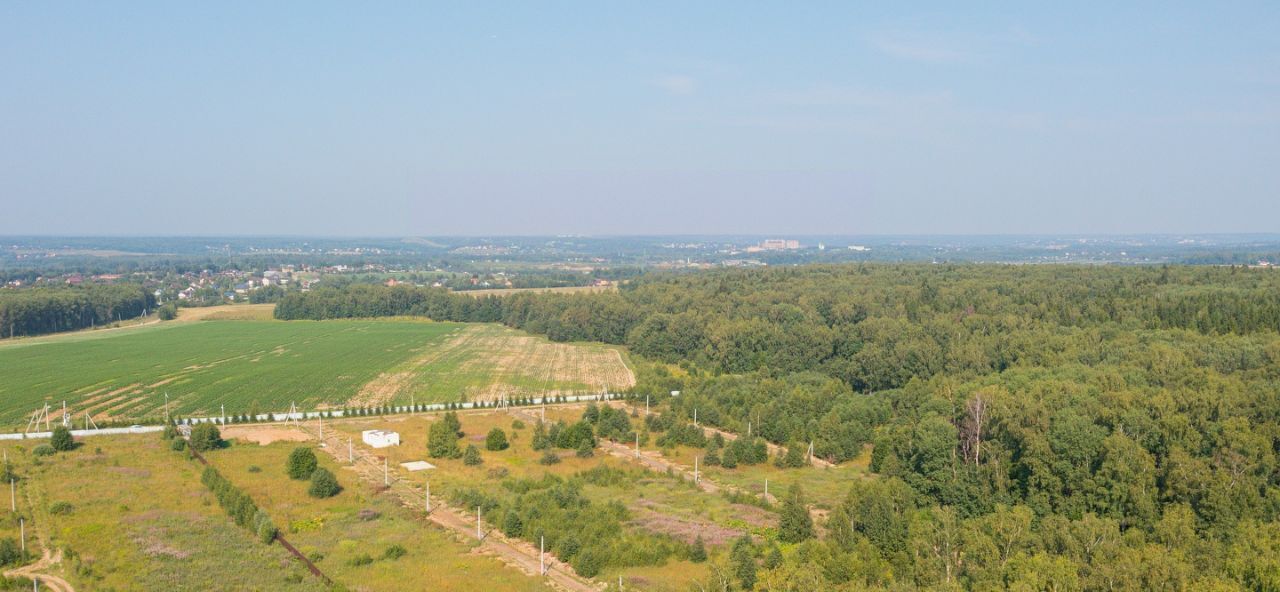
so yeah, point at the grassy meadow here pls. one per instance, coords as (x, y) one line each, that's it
(140, 519)
(337, 531)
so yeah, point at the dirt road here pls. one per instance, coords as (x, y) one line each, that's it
(46, 561)
(47, 581)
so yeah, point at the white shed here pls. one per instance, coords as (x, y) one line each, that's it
(380, 438)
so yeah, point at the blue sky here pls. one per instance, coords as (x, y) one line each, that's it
(638, 118)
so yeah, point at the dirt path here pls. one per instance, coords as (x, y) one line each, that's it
(47, 559)
(48, 581)
(513, 552)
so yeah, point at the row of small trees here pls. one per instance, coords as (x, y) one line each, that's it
(239, 505)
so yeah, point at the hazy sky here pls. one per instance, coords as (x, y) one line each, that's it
(638, 117)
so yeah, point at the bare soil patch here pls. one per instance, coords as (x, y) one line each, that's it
(264, 435)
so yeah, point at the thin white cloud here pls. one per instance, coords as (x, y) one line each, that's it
(917, 48)
(836, 96)
(677, 84)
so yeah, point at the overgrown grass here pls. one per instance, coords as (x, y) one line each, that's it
(142, 521)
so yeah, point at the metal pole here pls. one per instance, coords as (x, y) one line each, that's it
(637, 444)
(428, 496)
(13, 495)
(695, 417)
(22, 526)
(542, 555)
(766, 490)
(351, 455)
(696, 478)
(479, 535)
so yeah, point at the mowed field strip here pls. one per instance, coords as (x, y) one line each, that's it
(483, 362)
(266, 365)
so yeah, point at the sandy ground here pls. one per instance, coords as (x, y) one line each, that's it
(265, 434)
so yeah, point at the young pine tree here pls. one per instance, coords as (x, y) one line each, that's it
(794, 523)
(471, 457)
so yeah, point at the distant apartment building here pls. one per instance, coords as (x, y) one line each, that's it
(774, 244)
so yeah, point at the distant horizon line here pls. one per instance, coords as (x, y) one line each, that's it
(1274, 235)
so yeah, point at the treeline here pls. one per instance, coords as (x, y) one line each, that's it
(36, 311)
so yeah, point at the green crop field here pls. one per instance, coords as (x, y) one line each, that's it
(266, 365)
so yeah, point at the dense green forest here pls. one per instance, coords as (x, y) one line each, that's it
(1032, 427)
(34, 311)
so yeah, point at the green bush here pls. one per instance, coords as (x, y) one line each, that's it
(589, 562)
(10, 552)
(43, 450)
(179, 444)
(302, 462)
(394, 552)
(496, 440)
(61, 508)
(323, 484)
(549, 457)
(361, 559)
(471, 457)
(267, 530)
(205, 436)
(442, 440)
